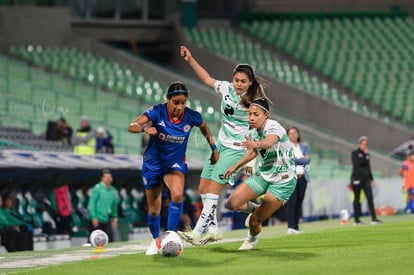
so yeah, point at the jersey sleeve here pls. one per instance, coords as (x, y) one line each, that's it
(275, 129)
(195, 116)
(221, 87)
(153, 112)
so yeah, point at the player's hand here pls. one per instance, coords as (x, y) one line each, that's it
(185, 53)
(214, 157)
(248, 144)
(95, 223)
(152, 131)
(229, 172)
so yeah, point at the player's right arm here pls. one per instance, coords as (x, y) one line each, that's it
(250, 155)
(140, 125)
(202, 74)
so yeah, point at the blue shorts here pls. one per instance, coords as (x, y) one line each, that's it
(152, 178)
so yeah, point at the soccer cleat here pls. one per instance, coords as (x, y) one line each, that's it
(189, 236)
(210, 237)
(358, 223)
(376, 221)
(153, 248)
(248, 244)
(292, 231)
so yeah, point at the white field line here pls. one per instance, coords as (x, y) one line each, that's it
(55, 258)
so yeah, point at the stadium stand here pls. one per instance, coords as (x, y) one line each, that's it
(233, 45)
(119, 96)
(368, 53)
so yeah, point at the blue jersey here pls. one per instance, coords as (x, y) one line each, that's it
(170, 144)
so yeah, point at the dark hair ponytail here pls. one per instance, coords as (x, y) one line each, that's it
(256, 89)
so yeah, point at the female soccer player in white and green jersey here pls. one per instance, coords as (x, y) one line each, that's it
(274, 174)
(236, 97)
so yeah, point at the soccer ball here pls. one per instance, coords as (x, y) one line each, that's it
(98, 238)
(170, 244)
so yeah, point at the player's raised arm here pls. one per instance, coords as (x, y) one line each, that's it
(202, 74)
(205, 130)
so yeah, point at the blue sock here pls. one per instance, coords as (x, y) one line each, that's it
(410, 205)
(154, 225)
(174, 213)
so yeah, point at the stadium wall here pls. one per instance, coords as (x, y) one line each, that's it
(34, 25)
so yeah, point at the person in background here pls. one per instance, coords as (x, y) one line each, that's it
(103, 206)
(59, 130)
(83, 140)
(169, 125)
(407, 172)
(104, 141)
(8, 232)
(302, 159)
(362, 179)
(61, 204)
(24, 229)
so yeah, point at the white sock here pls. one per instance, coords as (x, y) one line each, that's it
(208, 214)
(252, 238)
(203, 198)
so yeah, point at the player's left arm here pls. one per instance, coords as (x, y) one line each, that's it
(205, 130)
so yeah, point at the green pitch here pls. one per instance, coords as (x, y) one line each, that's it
(325, 248)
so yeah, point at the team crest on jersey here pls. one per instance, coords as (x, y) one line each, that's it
(187, 128)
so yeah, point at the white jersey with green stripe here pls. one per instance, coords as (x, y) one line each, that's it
(235, 118)
(276, 164)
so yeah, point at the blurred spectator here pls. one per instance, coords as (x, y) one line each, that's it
(84, 139)
(103, 206)
(302, 160)
(8, 234)
(59, 130)
(60, 200)
(23, 229)
(407, 172)
(104, 142)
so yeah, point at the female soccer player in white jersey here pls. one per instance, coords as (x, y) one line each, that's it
(169, 125)
(236, 97)
(274, 174)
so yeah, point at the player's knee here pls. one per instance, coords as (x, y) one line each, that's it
(153, 212)
(232, 204)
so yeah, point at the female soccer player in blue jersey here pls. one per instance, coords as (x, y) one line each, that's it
(169, 125)
(236, 97)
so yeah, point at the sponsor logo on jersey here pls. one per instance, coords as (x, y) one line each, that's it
(161, 123)
(169, 138)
